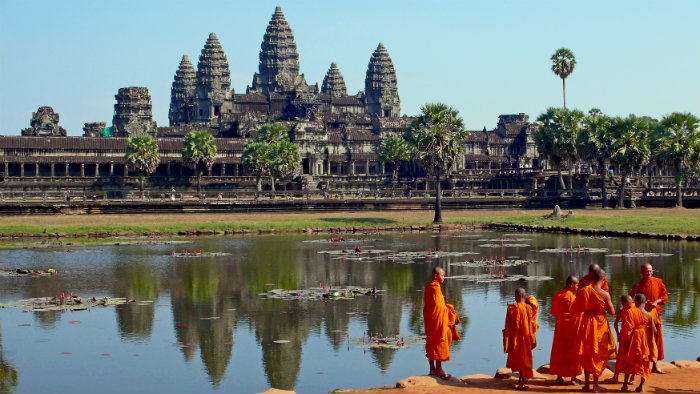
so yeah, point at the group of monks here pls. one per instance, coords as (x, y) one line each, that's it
(583, 340)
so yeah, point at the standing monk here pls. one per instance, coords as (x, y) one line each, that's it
(440, 320)
(589, 278)
(519, 336)
(562, 362)
(593, 334)
(655, 292)
(634, 342)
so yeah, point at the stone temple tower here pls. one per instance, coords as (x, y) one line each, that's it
(183, 94)
(213, 83)
(278, 70)
(133, 113)
(333, 82)
(381, 91)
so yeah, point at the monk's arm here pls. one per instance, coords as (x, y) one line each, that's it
(626, 332)
(609, 307)
(617, 322)
(663, 296)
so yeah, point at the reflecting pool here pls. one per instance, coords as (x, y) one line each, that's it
(200, 324)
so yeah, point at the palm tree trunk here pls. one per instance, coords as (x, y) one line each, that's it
(258, 183)
(199, 184)
(272, 183)
(562, 184)
(621, 194)
(679, 191)
(604, 187)
(571, 177)
(563, 85)
(394, 173)
(438, 197)
(142, 178)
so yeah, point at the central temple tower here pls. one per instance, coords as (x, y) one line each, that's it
(213, 83)
(381, 90)
(278, 70)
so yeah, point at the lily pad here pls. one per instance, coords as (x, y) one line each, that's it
(321, 293)
(341, 240)
(575, 250)
(494, 263)
(399, 341)
(638, 255)
(510, 240)
(199, 254)
(489, 278)
(27, 272)
(503, 245)
(282, 341)
(43, 304)
(390, 256)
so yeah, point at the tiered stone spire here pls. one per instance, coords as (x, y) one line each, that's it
(133, 112)
(213, 80)
(381, 90)
(183, 94)
(278, 70)
(333, 82)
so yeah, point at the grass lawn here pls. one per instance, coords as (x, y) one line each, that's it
(656, 220)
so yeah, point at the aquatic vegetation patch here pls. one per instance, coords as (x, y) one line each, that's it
(500, 262)
(390, 256)
(510, 240)
(639, 254)
(26, 272)
(340, 240)
(321, 293)
(198, 253)
(503, 245)
(575, 249)
(64, 303)
(491, 278)
(397, 341)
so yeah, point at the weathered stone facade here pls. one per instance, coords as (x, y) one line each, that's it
(93, 129)
(133, 112)
(183, 94)
(44, 122)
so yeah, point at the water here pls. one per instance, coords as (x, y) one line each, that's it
(131, 348)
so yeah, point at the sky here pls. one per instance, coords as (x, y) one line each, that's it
(485, 58)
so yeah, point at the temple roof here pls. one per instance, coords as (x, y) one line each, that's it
(212, 69)
(333, 82)
(381, 75)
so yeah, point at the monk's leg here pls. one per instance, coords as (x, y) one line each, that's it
(640, 389)
(587, 384)
(596, 388)
(655, 368)
(625, 383)
(433, 371)
(612, 380)
(559, 380)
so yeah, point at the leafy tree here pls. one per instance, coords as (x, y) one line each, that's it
(557, 138)
(199, 148)
(595, 146)
(395, 151)
(563, 63)
(142, 155)
(630, 148)
(258, 157)
(678, 146)
(287, 161)
(436, 137)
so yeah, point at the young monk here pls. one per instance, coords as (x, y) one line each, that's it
(440, 320)
(562, 361)
(655, 291)
(626, 303)
(519, 336)
(634, 341)
(593, 335)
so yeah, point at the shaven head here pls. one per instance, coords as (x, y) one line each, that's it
(520, 294)
(647, 271)
(640, 299)
(599, 275)
(626, 301)
(593, 268)
(572, 283)
(439, 274)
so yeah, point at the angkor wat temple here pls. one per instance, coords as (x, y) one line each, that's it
(338, 133)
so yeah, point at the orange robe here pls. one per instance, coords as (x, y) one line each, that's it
(562, 361)
(653, 337)
(593, 336)
(519, 337)
(589, 279)
(440, 320)
(634, 335)
(653, 289)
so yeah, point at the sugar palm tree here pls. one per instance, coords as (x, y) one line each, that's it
(199, 149)
(395, 151)
(563, 63)
(142, 155)
(436, 137)
(557, 138)
(595, 146)
(630, 148)
(678, 146)
(287, 161)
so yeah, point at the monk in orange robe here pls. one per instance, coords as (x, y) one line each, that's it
(562, 361)
(627, 302)
(589, 278)
(519, 335)
(655, 292)
(440, 320)
(634, 342)
(593, 333)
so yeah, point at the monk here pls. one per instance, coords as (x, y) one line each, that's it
(593, 334)
(440, 320)
(589, 278)
(519, 336)
(634, 342)
(562, 361)
(626, 303)
(655, 292)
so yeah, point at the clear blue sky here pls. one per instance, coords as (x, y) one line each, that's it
(484, 57)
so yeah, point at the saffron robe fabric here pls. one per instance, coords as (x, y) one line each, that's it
(653, 288)
(562, 361)
(634, 343)
(654, 337)
(589, 279)
(519, 337)
(594, 339)
(440, 320)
